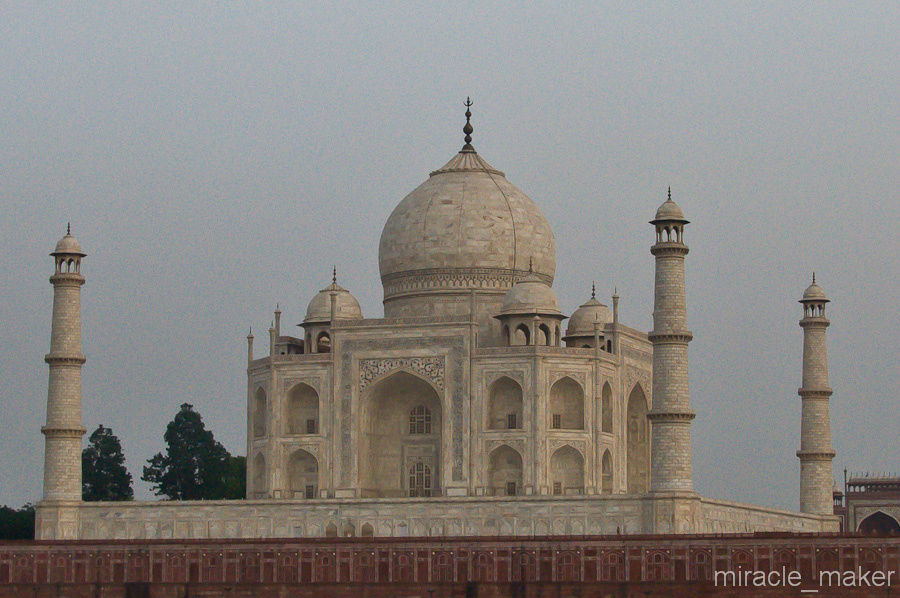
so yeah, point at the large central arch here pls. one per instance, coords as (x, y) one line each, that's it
(402, 433)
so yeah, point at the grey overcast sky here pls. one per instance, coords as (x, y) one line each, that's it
(217, 158)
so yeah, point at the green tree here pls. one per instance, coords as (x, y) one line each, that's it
(236, 478)
(103, 472)
(17, 524)
(195, 465)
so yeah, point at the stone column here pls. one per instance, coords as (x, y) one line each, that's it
(670, 455)
(815, 452)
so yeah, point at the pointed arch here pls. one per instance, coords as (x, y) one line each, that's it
(879, 523)
(522, 336)
(395, 436)
(323, 342)
(303, 474)
(606, 409)
(606, 473)
(303, 410)
(637, 441)
(544, 336)
(504, 474)
(260, 409)
(259, 476)
(504, 404)
(566, 405)
(567, 471)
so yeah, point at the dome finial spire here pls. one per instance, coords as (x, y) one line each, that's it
(670, 193)
(68, 228)
(334, 274)
(531, 265)
(814, 278)
(593, 290)
(467, 129)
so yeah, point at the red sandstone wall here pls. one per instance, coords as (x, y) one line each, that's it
(359, 567)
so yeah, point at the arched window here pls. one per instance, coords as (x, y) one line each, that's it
(567, 471)
(505, 471)
(303, 474)
(419, 480)
(323, 343)
(505, 405)
(366, 531)
(606, 474)
(259, 476)
(566, 405)
(506, 335)
(637, 436)
(522, 336)
(420, 420)
(544, 336)
(606, 414)
(303, 410)
(259, 414)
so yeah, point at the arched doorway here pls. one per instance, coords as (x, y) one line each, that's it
(303, 474)
(401, 443)
(566, 405)
(303, 410)
(879, 523)
(638, 442)
(505, 471)
(567, 471)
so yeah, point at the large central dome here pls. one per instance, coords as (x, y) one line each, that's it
(465, 228)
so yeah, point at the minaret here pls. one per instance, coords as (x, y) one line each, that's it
(670, 459)
(63, 432)
(815, 428)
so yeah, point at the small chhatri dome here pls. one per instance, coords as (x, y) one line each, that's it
(669, 211)
(346, 307)
(531, 295)
(814, 292)
(68, 245)
(581, 322)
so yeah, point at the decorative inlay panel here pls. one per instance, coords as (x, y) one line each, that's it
(431, 368)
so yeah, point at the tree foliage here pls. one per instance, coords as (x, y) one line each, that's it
(195, 466)
(17, 524)
(236, 478)
(104, 476)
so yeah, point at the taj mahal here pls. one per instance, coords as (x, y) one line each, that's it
(475, 406)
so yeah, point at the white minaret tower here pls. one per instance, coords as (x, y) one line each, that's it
(815, 428)
(670, 457)
(63, 431)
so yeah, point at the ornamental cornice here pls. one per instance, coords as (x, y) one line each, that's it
(496, 279)
(669, 249)
(815, 455)
(812, 393)
(67, 280)
(673, 416)
(64, 359)
(63, 431)
(431, 368)
(670, 338)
